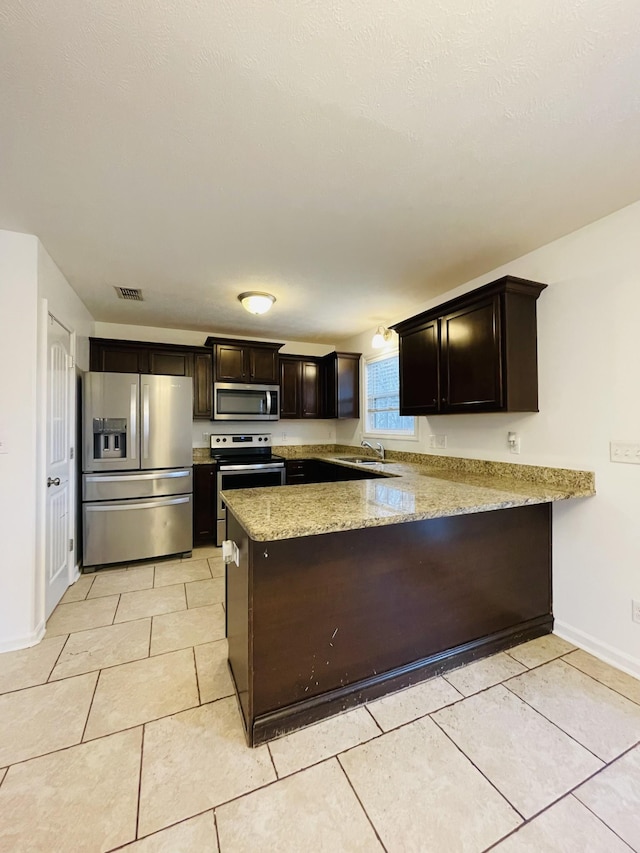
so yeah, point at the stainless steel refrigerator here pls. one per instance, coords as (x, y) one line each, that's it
(137, 461)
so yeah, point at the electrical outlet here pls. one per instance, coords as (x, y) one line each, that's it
(205, 437)
(439, 441)
(625, 451)
(635, 611)
(284, 436)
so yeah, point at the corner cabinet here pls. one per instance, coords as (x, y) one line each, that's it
(117, 356)
(476, 353)
(342, 385)
(244, 361)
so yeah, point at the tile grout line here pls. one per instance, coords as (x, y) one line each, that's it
(195, 669)
(86, 722)
(555, 725)
(144, 728)
(368, 710)
(158, 831)
(355, 793)
(569, 793)
(63, 647)
(603, 683)
(473, 764)
(216, 829)
(600, 819)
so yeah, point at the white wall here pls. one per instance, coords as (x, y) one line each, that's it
(18, 348)
(28, 276)
(589, 369)
(283, 432)
(65, 304)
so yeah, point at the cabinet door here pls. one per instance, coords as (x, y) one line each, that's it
(204, 503)
(170, 363)
(348, 386)
(310, 389)
(263, 365)
(419, 370)
(118, 358)
(296, 473)
(290, 388)
(472, 359)
(202, 385)
(231, 363)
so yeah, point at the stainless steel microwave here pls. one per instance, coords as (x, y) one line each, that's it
(233, 401)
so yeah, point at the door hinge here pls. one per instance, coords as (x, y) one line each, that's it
(71, 362)
(71, 452)
(71, 544)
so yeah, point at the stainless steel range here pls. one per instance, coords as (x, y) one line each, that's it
(243, 462)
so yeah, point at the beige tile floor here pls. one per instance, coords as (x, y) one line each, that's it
(120, 731)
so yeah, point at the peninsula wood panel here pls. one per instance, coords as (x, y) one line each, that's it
(339, 609)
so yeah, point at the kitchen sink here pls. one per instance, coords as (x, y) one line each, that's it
(366, 460)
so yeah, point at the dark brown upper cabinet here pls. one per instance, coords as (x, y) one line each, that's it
(244, 361)
(116, 356)
(301, 387)
(476, 353)
(342, 385)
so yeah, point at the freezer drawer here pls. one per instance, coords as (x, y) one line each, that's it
(144, 484)
(123, 531)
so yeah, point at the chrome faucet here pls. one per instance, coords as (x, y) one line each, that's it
(379, 449)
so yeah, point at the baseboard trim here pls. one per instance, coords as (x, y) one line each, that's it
(282, 721)
(14, 644)
(603, 651)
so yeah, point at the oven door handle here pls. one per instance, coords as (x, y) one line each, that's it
(231, 469)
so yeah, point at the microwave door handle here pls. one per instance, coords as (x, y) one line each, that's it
(268, 396)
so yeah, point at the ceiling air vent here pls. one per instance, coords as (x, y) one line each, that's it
(131, 293)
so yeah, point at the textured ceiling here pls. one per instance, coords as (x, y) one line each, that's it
(353, 157)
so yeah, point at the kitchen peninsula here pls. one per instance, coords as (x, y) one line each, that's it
(347, 591)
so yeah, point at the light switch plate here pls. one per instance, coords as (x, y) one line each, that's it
(625, 451)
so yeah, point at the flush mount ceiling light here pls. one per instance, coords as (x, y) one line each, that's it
(380, 338)
(255, 302)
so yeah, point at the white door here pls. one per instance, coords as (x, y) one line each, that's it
(58, 546)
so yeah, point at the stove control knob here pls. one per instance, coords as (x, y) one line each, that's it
(224, 439)
(218, 440)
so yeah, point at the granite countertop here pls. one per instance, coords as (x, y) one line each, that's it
(426, 487)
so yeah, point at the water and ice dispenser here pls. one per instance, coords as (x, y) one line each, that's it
(109, 438)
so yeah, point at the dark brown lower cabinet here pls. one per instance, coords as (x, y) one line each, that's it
(204, 504)
(319, 624)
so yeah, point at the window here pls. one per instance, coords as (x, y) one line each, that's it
(382, 398)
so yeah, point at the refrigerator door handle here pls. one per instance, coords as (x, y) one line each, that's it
(119, 478)
(145, 421)
(133, 417)
(116, 507)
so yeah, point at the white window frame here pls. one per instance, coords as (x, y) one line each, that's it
(367, 432)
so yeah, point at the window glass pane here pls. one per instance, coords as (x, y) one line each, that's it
(383, 398)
